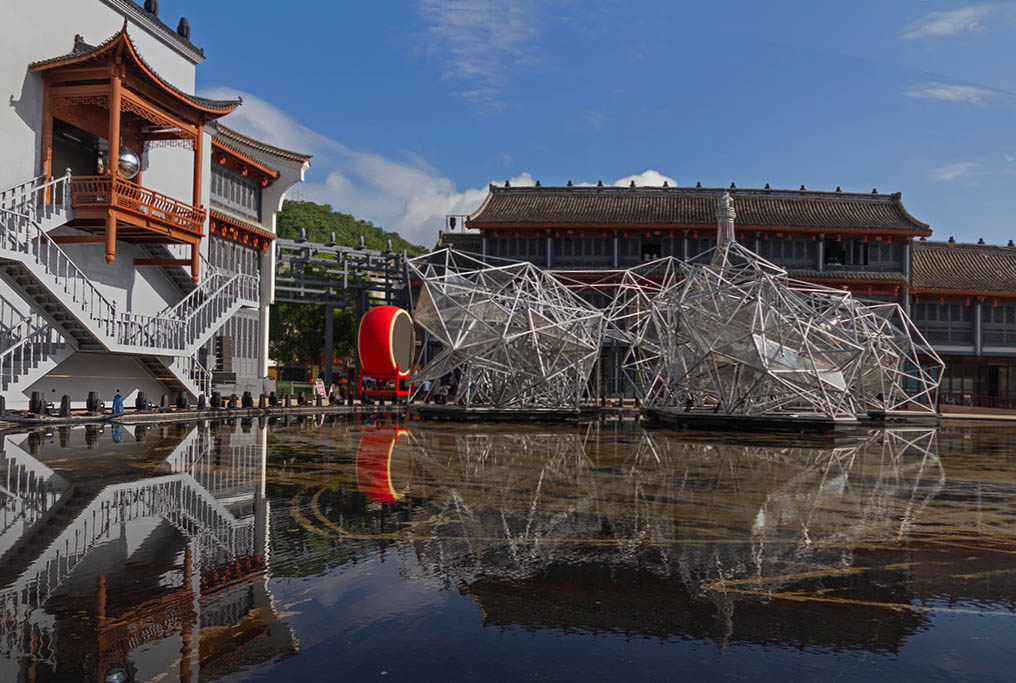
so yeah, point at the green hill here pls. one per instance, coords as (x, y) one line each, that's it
(296, 331)
(320, 221)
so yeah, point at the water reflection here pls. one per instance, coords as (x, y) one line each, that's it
(130, 553)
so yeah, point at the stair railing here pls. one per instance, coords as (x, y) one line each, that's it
(34, 342)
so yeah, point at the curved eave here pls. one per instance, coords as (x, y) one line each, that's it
(241, 139)
(270, 173)
(210, 108)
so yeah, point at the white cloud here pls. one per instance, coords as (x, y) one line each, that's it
(960, 169)
(648, 178)
(939, 24)
(407, 195)
(481, 41)
(947, 92)
(1008, 157)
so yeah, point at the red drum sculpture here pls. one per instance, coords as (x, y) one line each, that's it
(385, 345)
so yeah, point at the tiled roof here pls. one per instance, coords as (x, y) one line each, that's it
(461, 241)
(661, 206)
(82, 50)
(843, 275)
(964, 267)
(230, 135)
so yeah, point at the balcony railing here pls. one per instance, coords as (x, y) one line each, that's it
(105, 192)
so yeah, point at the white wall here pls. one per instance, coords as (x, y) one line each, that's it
(83, 371)
(32, 30)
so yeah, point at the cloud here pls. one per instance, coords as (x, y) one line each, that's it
(939, 24)
(1008, 157)
(406, 195)
(946, 92)
(480, 42)
(648, 178)
(960, 169)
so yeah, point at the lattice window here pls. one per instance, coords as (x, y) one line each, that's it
(235, 192)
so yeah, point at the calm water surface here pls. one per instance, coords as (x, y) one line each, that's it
(326, 550)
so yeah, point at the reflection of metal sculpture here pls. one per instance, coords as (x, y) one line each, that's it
(709, 514)
(514, 334)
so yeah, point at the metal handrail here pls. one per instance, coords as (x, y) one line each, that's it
(33, 332)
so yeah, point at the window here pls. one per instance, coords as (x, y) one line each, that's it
(235, 192)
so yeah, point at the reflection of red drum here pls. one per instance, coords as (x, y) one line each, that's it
(374, 463)
(385, 342)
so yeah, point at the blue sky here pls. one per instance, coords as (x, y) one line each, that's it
(412, 108)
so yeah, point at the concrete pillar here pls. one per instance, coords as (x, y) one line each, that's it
(329, 343)
(978, 332)
(550, 247)
(821, 254)
(908, 248)
(617, 260)
(483, 247)
(684, 245)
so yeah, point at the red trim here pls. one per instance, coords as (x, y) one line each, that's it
(243, 163)
(232, 229)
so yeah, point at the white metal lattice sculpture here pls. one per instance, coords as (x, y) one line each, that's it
(513, 335)
(737, 336)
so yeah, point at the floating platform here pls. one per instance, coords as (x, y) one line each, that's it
(477, 414)
(786, 423)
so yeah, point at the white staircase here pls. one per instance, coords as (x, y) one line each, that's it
(34, 349)
(34, 265)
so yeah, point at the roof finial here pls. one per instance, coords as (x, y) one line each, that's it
(698, 184)
(631, 184)
(152, 7)
(183, 28)
(537, 183)
(666, 184)
(507, 183)
(599, 183)
(803, 188)
(838, 189)
(569, 183)
(952, 240)
(980, 240)
(874, 190)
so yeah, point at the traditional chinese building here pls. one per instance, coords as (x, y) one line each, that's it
(136, 231)
(868, 243)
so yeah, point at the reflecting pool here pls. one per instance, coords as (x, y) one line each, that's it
(327, 549)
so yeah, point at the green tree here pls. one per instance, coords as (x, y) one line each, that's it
(297, 331)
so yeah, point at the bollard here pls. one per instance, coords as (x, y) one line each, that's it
(247, 400)
(182, 402)
(262, 401)
(284, 400)
(317, 400)
(65, 406)
(3, 407)
(201, 401)
(164, 403)
(216, 400)
(92, 403)
(301, 399)
(273, 400)
(232, 401)
(140, 401)
(35, 403)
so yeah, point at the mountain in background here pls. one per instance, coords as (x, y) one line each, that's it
(296, 332)
(321, 221)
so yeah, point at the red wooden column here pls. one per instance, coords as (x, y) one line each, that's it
(198, 158)
(114, 160)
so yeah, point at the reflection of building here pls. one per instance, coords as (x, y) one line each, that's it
(134, 228)
(962, 296)
(72, 598)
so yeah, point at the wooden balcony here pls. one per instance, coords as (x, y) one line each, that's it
(136, 206)
(113, 209)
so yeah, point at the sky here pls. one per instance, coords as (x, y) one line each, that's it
(411, 108)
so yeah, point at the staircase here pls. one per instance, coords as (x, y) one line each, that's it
(46, 277)
(35, 348)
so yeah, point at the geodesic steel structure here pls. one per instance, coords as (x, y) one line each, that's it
(733, 334)
(513, 335)
(727, 333)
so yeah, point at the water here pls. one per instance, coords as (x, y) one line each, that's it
(338, 550)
